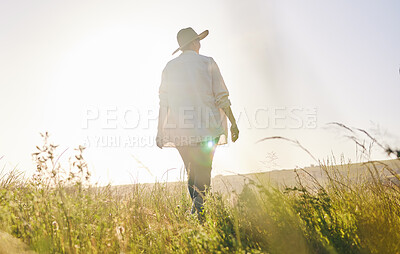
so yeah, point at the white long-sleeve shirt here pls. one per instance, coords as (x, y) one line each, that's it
(194, 92)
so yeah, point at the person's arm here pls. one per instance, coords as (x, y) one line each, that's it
(163, 112)
(221, 95)
(234, 128)
(162, 115)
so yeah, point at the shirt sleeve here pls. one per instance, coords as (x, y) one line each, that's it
(220, 91)
(162, 92)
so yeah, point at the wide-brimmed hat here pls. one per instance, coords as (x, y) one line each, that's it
(187, 35)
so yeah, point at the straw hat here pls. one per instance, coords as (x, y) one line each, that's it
(187, 35)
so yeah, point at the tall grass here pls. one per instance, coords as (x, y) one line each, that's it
(58, 211)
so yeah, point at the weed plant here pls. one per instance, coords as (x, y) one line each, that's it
(59, 211)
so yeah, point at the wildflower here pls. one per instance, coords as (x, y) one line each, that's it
(120, 232)
(55, 225)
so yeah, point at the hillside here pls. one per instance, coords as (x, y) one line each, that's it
(287, 177)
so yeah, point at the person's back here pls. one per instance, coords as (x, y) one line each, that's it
(194, 106)
(190, 83)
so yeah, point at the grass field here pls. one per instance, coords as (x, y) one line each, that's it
(57, 211)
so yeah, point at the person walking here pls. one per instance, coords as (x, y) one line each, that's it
(194, 107)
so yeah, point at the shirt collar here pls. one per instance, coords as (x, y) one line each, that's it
(189, 52)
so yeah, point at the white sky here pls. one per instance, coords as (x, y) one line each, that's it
(59, 59)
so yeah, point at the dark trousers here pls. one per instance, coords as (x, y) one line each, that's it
(198, 162)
